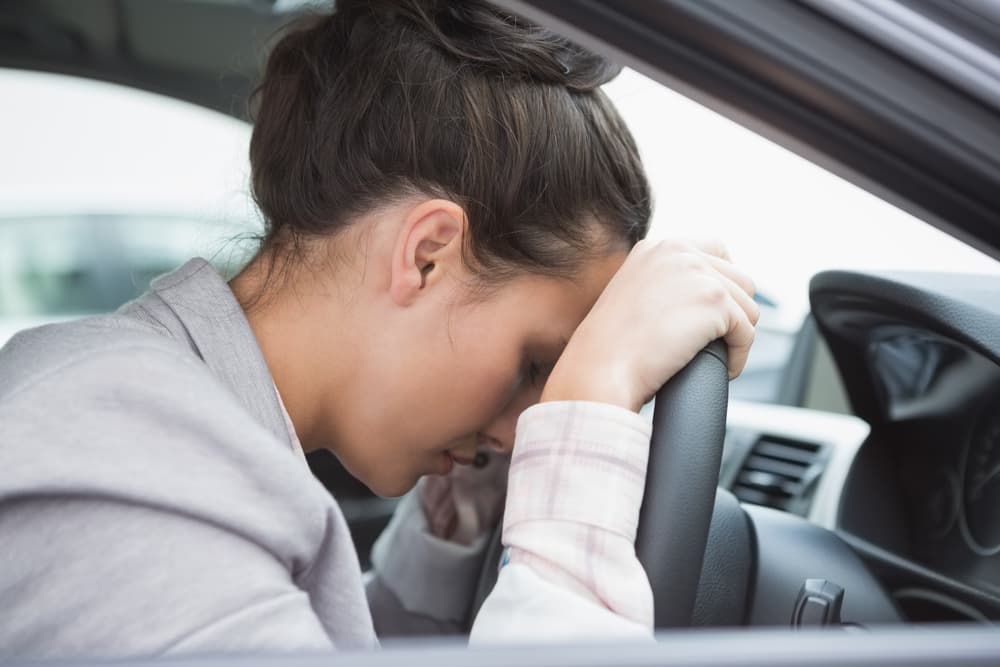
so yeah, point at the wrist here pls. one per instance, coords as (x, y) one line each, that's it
(609, 386)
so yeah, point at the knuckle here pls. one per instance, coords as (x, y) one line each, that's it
(690, 261)
(720, 247)
(674, 246)
(715, 293)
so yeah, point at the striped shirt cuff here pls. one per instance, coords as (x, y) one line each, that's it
(579, 461)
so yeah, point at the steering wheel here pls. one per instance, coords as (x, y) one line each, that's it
(689, 428)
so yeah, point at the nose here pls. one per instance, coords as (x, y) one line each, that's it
(499, 434)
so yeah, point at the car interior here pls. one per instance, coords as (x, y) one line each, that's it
(863, 499)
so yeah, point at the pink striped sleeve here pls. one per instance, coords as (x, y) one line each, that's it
(576, 483)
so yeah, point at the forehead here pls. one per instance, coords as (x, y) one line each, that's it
(563, 298)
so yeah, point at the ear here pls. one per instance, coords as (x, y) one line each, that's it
(428, 244)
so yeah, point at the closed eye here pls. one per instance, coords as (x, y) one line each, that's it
(538, 372)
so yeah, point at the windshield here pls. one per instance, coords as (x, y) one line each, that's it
(783, 218)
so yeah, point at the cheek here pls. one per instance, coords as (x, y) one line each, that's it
(485, 375)
(454, 393)
(485, 389)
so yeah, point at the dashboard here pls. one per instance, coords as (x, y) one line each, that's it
(948, 467)
(911, 480)
(919, 354)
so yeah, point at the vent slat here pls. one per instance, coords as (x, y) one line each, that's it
(791, 470)
(768, 482)
(756, 497)
(774, 473)
(785, 452)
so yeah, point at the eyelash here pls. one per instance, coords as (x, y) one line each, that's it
(535, 371)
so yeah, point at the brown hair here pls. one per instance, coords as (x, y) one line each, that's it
(461, 100)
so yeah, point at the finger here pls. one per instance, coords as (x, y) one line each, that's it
(734, 273)
(435, 490)
(739, 338)
(743, 298)
(713, 247)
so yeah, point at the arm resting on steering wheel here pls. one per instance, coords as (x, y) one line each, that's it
(572, 570)
(569, 570)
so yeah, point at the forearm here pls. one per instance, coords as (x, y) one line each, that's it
(576, 483)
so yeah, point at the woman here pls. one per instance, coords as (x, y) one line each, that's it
(452, 262)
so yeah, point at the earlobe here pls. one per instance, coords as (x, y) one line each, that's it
(428, 244)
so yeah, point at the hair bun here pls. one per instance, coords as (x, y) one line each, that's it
(483, 35)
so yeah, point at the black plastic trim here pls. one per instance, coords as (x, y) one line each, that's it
(791, 550)
(217, 66)
(849, 305)
(897, 572)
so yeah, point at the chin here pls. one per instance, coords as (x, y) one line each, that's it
(391, 487)
(385, 481)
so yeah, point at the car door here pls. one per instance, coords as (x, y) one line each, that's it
(812, 83)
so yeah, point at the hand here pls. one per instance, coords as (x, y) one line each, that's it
(666, 302)
(468, 501)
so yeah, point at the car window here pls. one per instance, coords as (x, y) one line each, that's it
(783, 218)
(103, 187)
(91, 263)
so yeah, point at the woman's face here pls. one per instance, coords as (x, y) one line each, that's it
(466, 380)
(443, 375)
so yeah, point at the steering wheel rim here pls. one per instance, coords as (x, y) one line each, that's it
(689, 429)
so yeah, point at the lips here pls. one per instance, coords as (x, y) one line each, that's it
(449, 461)
(470, 451)
(461, 460)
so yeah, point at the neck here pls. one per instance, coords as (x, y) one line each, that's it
(298, 328)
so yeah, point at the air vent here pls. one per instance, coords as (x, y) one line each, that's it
(779, 473)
